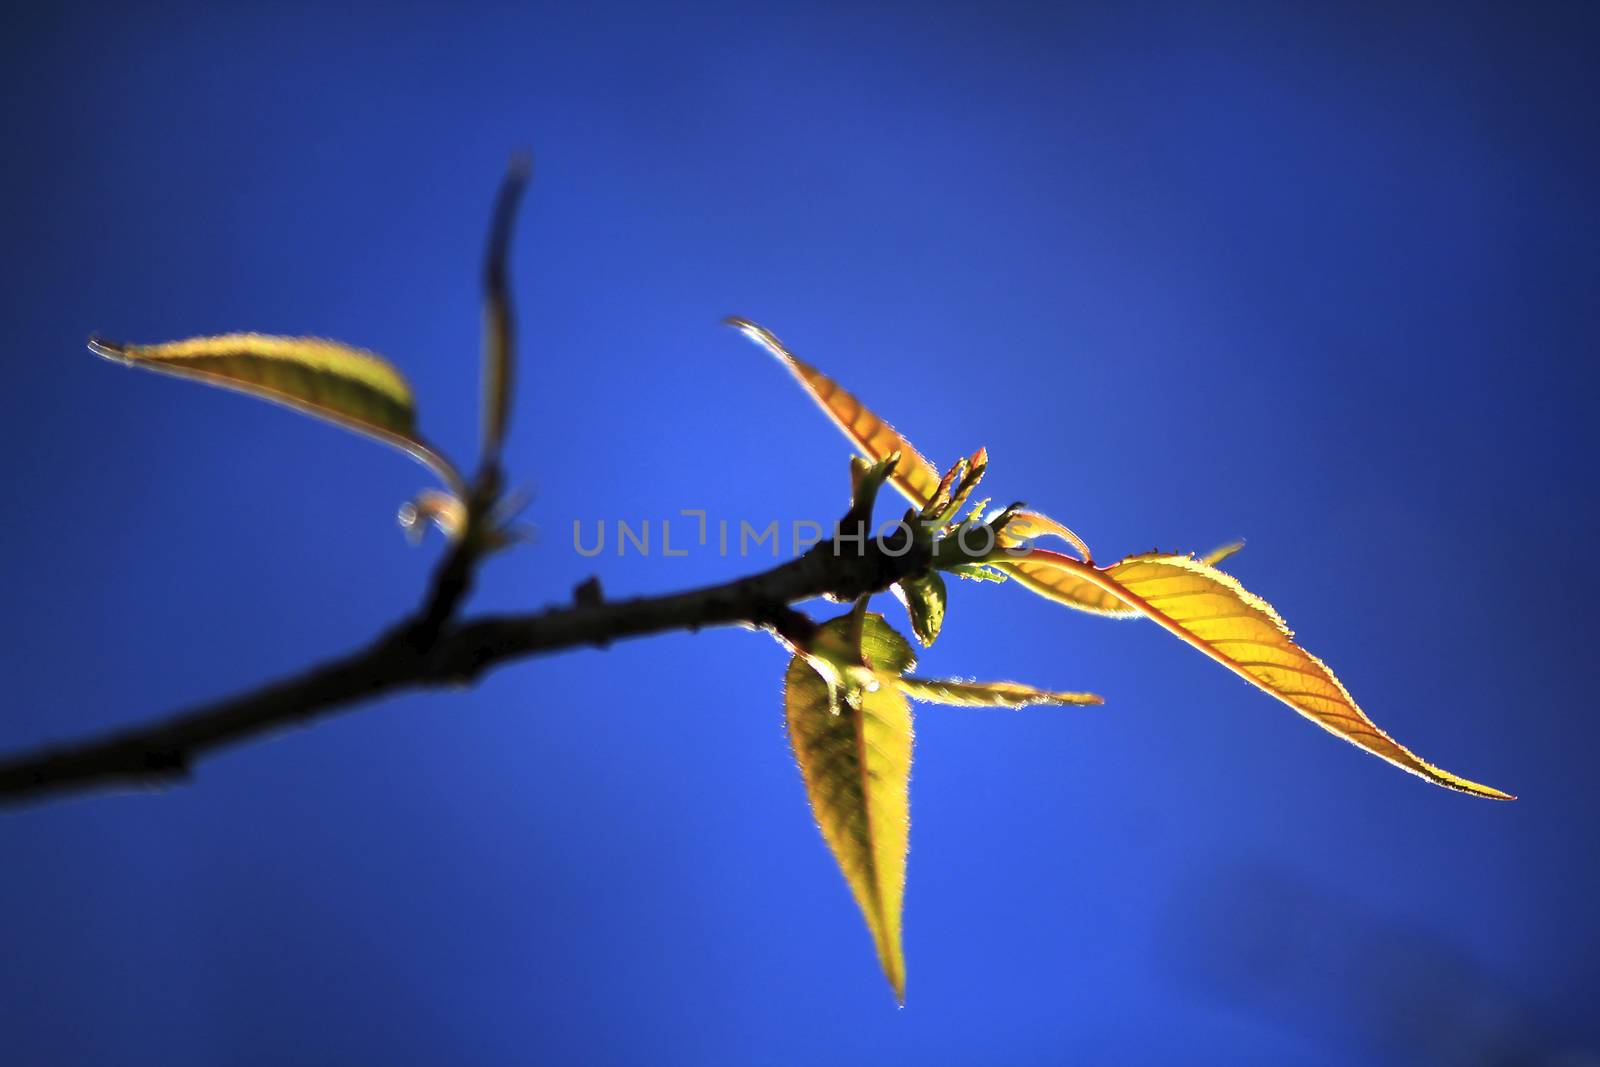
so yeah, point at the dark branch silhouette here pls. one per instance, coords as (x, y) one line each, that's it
(432, 647)
(429, 649)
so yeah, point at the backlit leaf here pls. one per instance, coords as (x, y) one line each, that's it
(344, 385)
(1076, 592)
(989, 694)
(857, 768)
(1230, 625)
(954, 488)
(1213, 612)
(1065, 587)
(1220, 553)
(977, 572)
(1026, 525)
(883, 648)
(853, 651)
(914, 476)
(933, 510)
(924, 598)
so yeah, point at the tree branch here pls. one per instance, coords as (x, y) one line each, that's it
(428, 649)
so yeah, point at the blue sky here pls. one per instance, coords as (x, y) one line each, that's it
(1319, 279)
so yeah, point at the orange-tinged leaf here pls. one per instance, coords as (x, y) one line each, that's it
(1065, 587)
(989, 694)
(1213, 612)
(954, 490)
(856, 763)
(346, 386)
(1026, 525)
(940, 500)
(914, 476)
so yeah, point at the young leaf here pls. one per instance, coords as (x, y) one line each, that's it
(865, 486)
(976, 465)
(859, 468)
(856, 650)
(344, 385)
(977, 572)
(1026, 525)
(1065, 587)
(883, 649)
(857, 769)
(1245, 634)
(1213, 612)
(914, 476)
(1221, 552)
(1075, 592)
(924, 599)
(499, 326)
(989, 694)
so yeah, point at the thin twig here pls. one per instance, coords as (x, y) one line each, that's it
(430, 650)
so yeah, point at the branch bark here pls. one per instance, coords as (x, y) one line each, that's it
(428, 649)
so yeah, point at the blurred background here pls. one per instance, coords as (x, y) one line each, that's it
(1322, 279)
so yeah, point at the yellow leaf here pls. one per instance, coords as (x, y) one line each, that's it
(1026, 525)
(856, 762)
(1238, 629)
(1065, 587)
(344, 385)
(1213, 612)
(1072, 590)
(882, 648)
(914, 476)
(1222, 552)
(988, 694)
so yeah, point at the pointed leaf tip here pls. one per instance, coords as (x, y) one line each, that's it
(346, 386)
(1221, 552)
(914, 476)
(107, 349)
(856, 765)
(1212, 612)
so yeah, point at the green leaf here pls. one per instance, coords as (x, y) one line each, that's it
(858, 471)
(977, 572)
(883, 649)
(856, 763)
(924, 598)
(864, 486)
(343, 385)
(989, 694)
